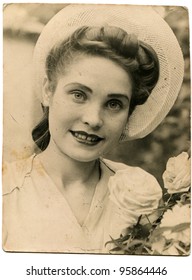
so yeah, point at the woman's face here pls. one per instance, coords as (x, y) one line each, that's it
(89, 108)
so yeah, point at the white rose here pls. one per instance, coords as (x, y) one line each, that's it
(135, 192)
(179, 214)
(177, 175)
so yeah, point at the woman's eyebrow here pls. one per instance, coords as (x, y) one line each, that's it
(86, 88)
(83, 87)
(118, 95)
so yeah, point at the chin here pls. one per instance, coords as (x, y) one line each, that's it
(85, 159)
(84, 156)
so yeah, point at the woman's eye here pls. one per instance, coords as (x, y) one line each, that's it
(114, 105)
(79, 96)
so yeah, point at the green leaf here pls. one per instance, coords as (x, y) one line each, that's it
(176, 228)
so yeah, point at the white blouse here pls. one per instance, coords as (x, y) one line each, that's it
(38, 218)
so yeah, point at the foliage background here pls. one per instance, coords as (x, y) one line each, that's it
(22, 26)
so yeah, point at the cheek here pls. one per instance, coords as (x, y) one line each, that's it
(116, 127)
(119, 121)
(60, 110)
(58, 117)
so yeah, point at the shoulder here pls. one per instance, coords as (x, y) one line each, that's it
(13, 173)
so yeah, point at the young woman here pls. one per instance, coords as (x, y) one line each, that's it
(105, 74)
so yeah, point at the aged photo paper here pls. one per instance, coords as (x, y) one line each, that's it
(96, 129)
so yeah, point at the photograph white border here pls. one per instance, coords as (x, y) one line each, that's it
(14, 265)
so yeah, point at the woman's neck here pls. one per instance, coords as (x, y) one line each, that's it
(69, 171)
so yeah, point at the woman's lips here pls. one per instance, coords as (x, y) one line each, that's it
(85, 138)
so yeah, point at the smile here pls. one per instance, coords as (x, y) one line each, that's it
(85, 138)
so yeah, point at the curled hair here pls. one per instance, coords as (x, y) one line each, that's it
(137, 58)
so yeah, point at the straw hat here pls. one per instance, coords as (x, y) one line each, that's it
(149, 27)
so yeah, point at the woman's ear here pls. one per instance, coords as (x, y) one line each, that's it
(47, 93)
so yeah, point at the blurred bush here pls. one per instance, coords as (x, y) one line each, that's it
(24, 22)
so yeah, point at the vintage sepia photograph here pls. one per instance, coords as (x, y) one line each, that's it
(96, 129)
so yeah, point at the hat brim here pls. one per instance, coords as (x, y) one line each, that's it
(149, 27)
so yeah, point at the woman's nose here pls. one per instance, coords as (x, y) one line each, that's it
(92, 116)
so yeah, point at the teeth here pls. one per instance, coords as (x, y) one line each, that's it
(84, 137)
(94, 139)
